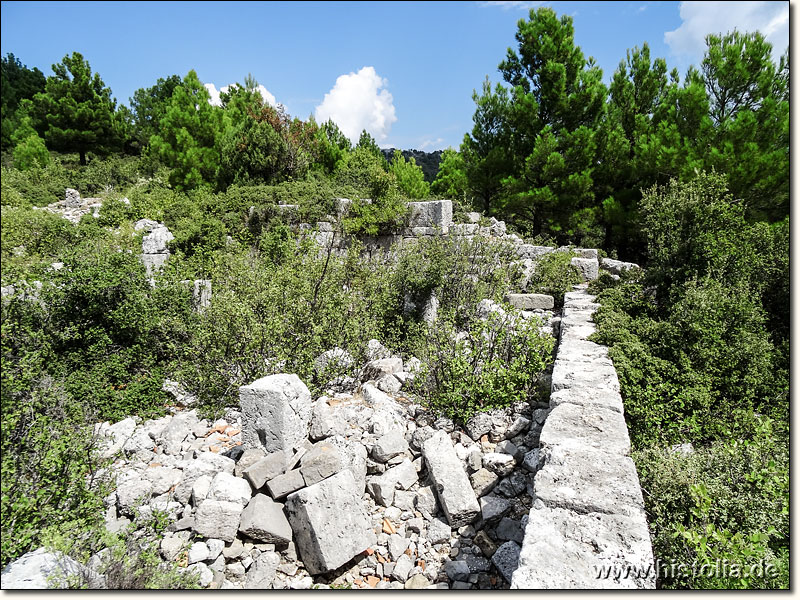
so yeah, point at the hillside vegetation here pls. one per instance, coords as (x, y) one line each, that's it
(688, 176)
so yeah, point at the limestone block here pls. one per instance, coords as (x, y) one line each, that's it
(156, 241)
(451, 483)
(227, 487)
(218, 519)
(276, 412)
(39, 570)
(322, 461)
(389, 445)
(565, 550)
(587, 267)
(262, 572)
(286, 483)
(438, 213)
(263, 520)
(530, 301)
(616, 267)
(248, 458)
(586, 428)
(378, 368)
(265, 469)
(207, 463)
(569, 374)
(329, 522)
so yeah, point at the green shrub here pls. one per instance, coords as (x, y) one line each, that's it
(494, 363)
(554, 275)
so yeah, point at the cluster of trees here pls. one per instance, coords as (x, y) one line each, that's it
(245, 141)
(559, 153)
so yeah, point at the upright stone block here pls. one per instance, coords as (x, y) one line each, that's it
(530, 301)
(450, 480)
(438, 213)
(329, 522)
(587, 267)
(276, 412)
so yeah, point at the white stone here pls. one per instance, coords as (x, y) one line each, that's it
(227, 487)
(450, 480)
(218, 519)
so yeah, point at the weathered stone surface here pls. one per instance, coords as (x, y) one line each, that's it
(133, 493)
(163, 479)
(506, 559)
(509, 529)
(322, 461)
(585, 395)
(262, 572)
(589, 481)
(286, 483)
(265, 469)
(451, 483)
(389, 383)
(531, 252)
(156, 241)
(483, 480)
(402, 568)
(531, 461)
(226, 487)
(375, 350)
(457, 570)
(382, 487)
(569, 374)
(218, 519)
(248, 458)
(439, 532)
(389, 445)
(425, 500)
(276, 411)
(565, 550)
(354, 456)
(376, 369)
(198, 552)
(329, 522)
(479, 425)
(587, 267)
(493, 507)
(530, 301)
(33, 570)
(437, 213)
(72, 198)
(498, 462)
(616, 267)
(586, 428)
(263, 520)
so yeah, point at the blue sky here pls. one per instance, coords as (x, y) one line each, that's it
(405, 71)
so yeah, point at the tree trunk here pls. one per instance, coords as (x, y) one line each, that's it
(83, 157)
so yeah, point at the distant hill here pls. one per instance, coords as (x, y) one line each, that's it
(428, 161)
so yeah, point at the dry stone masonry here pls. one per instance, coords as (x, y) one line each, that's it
(363, 487)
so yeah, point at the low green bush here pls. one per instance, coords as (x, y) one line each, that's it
(554, 275)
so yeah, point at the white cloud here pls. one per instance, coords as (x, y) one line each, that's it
(216, 101)
(509, 4)
(359, 101)
(701, 18)
(430, 143)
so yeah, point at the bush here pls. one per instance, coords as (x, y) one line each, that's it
(494, 363)
(554, 275)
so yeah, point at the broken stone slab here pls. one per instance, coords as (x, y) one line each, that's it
(40, 570)
(510, 530)
(248, 458)
(589, 481)
(227, 487)
(565, 550)
(616, 267)
(354, 456)
(506, 559)
(218, 519)
(285, 483)
(584, 428)
(276, 412)
(268, 467)
(389, 445)
(493, 507)
(322, 461)
(586, 395)
(530, 301)
(451, 483)
(376, 369)
(263, 520)
(335, 359)
(131, 494)
(483, 481)
(329, 522)
(382, 487)
(587, 267)
(439, 532)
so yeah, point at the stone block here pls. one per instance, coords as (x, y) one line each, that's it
(586, 428)
(265, 469)
(218, 519)
(330, 523)
(565, 550)
(616, 267)
(493, 507)
(248, 458)
(389, 445)
(376, 369)
(276, 412)
(157, 240)
(587, 267)
(263, 520)
(226, 487)
(530, 301)
(437, 213)
(286, 483)
(322, 461)
(451, 483)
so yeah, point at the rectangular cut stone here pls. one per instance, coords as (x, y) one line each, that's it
(587, 267)
(437, 213)
(589, 481)
(585, 395)
(530, 301)
(322, 461)
(451, 483)
(265, 469)
(586, 428)
(283, 485)
(218, 519)
(330, 523)
(276, 412)
(616, 267)
(567, 375)
(531, 252)
(564, 550)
